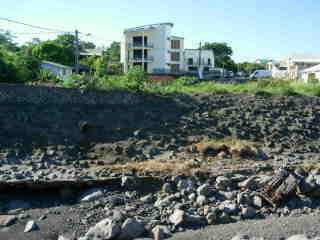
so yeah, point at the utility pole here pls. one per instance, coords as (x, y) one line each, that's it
(199, 55)
(77, 51)
(199, 68)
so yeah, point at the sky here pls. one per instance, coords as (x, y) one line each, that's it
(254, 29)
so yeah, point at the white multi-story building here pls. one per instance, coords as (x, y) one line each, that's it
(159, 52)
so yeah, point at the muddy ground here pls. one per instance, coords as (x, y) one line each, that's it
(83, 142)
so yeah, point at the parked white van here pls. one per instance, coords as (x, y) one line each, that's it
(260, 74)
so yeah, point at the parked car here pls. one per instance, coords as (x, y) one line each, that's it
(229, 74)
(260, 74)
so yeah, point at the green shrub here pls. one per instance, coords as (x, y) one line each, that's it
(46, 76)
(136, 78)
(262, 83)
(313, 81)
(80, 81)
(17, 67)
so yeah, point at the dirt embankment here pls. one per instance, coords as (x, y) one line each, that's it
(44, 128)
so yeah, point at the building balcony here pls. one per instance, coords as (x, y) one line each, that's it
(139, 59)
(140, 45)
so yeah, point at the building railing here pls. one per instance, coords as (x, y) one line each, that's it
(139, 59)
(196, 63)
(140, 45)
(162, 71)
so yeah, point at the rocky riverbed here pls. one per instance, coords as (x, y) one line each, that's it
(160, 166)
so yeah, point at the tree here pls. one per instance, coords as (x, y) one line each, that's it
(222, 53)
(87, 45)
(249, 68)
(17, 67)
(112, 54)
(52, 51)
(60, 50)
(6, 41)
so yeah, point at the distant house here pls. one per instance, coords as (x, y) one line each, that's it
(312, 73)
(97, 52)
(293, 66)
(56, 69)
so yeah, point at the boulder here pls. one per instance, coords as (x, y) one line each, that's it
(7, 220)
(147, 199)
(30, 226)
(203, 189)
(167, 188)
(178, 217)
(128, 181)
(91, 195)
(223, 183)
(248, 212)
(212, 217)
(257, 201)
(131, 229)
(185, 184)
(105, 229)
(181, 218)
(249, 183)
(201, 200)
(160, 232)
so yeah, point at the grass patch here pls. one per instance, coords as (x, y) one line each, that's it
(160, 166)
(228, 147)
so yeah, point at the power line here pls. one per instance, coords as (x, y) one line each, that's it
(31, 25)
(33, 33)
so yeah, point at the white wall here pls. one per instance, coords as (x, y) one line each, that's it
(194, 54)
(57, 71)
(305, 76)
(158, 37)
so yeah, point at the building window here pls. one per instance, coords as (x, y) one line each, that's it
(175, 44)
(137, 54)
(175, 68)
(190, 61)
(193, 69)
(137, 41)
(175, 56)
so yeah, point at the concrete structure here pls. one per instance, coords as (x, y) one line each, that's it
(292, 67)
(56, 69)
(311, 74)
(159, 52)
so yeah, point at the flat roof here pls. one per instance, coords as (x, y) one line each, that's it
(56, 64)
(312, 69)
(194, 49)
(148, 27)
(172, 36)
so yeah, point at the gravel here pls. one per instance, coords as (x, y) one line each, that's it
(269, 229)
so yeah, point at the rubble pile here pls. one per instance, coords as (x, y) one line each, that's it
(189, 203)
